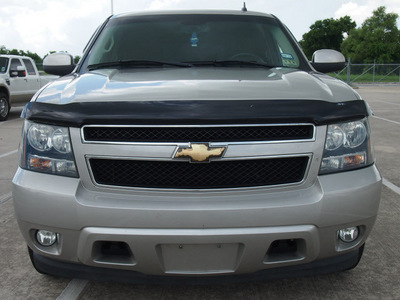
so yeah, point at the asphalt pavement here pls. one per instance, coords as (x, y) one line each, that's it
(376, 277)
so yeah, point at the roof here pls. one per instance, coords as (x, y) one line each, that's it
(13, 56)
(194, 12)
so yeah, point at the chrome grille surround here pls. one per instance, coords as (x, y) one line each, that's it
(197, 133)
(165, 152)
(183, 175)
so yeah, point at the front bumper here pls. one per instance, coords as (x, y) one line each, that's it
(338, 263)
(197, 233)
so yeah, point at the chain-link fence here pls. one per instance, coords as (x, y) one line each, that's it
(354, 73)
(369, 73)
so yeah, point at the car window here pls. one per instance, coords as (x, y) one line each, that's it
(3, 64)
(194, 38)
(29, 67)
(15, 62)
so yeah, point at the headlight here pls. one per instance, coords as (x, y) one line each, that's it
(347, 147)
(47, 149)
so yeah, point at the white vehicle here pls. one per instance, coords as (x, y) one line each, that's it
(19, 81)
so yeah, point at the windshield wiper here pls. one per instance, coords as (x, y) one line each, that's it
(227, 63)
(138, 63)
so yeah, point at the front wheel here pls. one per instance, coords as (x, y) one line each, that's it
(4, 107)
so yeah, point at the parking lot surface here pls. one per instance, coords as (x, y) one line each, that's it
(376, 277)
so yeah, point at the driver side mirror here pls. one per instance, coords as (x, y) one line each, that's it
(327, 60)
(59, 64)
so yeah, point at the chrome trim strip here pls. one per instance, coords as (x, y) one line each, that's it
(215, 144)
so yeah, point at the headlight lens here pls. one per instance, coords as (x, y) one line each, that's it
(334, 137)
(61, 140)
(347, 147)
(38, 137)
(47, 149)
(355, 134)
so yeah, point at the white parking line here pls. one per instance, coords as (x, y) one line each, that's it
(5, 198)
(387, 120)
(387, 102)
(73, 290)
(9, 121)
(8, 153)
(391, 186)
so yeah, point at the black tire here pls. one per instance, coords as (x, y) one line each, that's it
(4, 107)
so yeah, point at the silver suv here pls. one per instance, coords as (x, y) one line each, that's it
(195, 144)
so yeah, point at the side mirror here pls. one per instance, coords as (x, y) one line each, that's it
(58, 64)
(19, 72)
(327, 60)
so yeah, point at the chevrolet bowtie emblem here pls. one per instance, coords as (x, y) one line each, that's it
(199, 152)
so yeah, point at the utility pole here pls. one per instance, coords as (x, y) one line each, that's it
(349, 71)
(112, 7)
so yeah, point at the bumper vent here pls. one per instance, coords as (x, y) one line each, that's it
(197, 134)
(184, 175)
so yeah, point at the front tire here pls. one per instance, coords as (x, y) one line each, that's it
(4, 107)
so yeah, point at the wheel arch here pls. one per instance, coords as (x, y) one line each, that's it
(4, 89)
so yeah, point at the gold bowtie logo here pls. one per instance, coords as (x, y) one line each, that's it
(200, 152)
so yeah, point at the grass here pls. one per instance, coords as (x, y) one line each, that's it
(370, 73)
(368, 78)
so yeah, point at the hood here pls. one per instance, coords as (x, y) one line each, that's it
(195, 96)
(193, 84)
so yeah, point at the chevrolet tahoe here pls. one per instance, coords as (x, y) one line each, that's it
(195, 145)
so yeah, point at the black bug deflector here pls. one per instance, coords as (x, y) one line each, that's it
(196, 112)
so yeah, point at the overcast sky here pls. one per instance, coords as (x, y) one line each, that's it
(66, 25)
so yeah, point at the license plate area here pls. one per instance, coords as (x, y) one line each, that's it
(200, 258)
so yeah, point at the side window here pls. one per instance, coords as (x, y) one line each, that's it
(14, 72)
(15, 62)
(29, 67)
(3, 64)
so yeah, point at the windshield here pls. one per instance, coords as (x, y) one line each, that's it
(195, 39)
(3, 64)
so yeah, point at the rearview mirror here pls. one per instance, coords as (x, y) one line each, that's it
(59, 64)
(327, 60)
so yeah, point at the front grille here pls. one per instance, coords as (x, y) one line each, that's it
(185, 175)
(198, 134)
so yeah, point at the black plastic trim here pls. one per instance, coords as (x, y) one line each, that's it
(328, 67)
(195, 112)
(338, 263)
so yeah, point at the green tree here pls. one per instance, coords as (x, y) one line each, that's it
(14, 52)
(326, 34)
(34, 56)
(377, 40)
(38, 60)
(3, 49)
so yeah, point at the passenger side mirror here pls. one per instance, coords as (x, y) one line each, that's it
(59, 64)
(327, 60)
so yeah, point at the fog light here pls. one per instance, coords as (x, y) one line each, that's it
(348, 235)
(46, 238)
